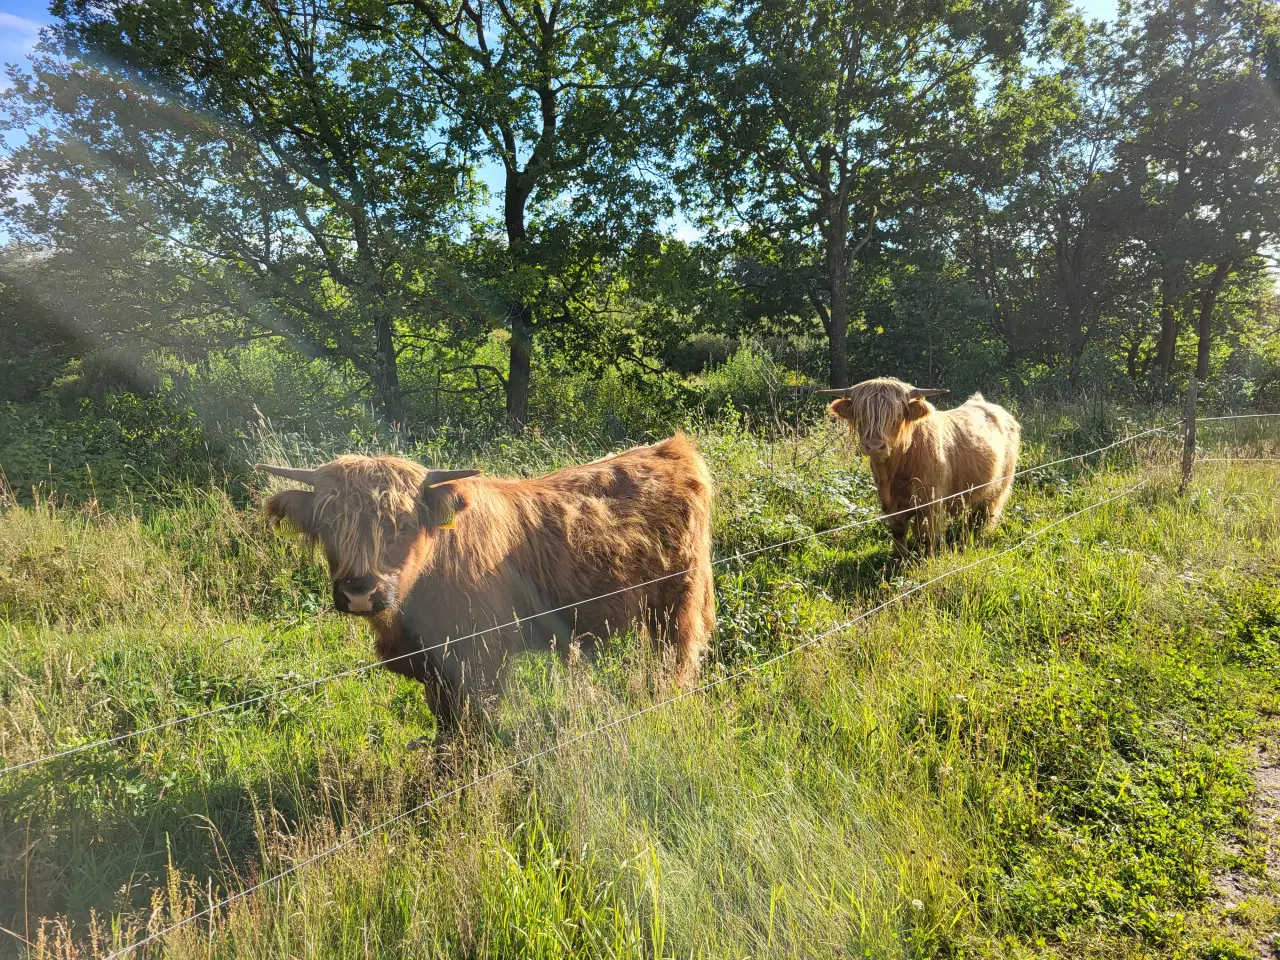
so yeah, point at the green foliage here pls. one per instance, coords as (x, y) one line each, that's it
(230, 390)
(1254, 637)
(34, 347)
(929, 327)
(105, 448)
(753, 381)
(611, 406)
(695, 354)
(1117, 819)
(812, 126)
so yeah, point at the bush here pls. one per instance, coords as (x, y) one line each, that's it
(610, 405)
(699, 352)
(229, 388)
(101, 449)
(753, 382)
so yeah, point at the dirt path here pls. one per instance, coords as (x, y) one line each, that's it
(1234, 888)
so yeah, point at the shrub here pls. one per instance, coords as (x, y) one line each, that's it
(754, 383)
(697, 353)
(103, 448)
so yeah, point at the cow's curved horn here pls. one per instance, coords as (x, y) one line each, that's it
(921, 392)
(838, 391)
(301, 474)
(444, 476)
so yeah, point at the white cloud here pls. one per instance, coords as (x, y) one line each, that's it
(18, 37)
(9, 21)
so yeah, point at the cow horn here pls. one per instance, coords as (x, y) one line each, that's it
(444, 476)
(837, 391)
(301, 474)
(920, 392)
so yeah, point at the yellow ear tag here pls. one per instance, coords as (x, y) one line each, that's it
(451, 521)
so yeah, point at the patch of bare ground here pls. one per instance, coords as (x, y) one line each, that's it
(1249, 892)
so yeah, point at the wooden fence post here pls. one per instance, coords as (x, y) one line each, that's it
(1189, 443)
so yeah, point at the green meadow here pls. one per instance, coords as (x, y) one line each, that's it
(1063, 751)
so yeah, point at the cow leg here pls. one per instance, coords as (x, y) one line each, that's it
(995, 509)
(694, 618)
(403, 654)
(979, 516)
(930, 527)
(937, 529)
(709, 606)
(442, 696)
(919, 531)
(440, 671)
(898, 526)
(454, 686)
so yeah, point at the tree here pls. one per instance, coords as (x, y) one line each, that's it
(1045, 221)
(812, 123)
(1205, 150)
(569, 100)
(1077, 208)
(244, 163)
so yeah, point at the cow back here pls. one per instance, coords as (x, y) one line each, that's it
(522, 547)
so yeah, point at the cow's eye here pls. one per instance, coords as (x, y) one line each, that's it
(395, 532)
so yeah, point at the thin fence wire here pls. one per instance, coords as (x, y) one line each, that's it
(363, 668)
(619, 722)
(1237, 416)
(1237, 460)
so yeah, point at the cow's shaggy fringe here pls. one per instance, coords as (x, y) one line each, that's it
(363, 504)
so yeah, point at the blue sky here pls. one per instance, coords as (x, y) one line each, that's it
(19, 22)
(21, 19)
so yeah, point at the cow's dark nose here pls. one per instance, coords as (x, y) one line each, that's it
(874, 446)
(358, 586)
(357, 592)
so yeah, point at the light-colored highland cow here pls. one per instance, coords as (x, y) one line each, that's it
(919, 454)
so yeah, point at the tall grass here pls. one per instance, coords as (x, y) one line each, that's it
(1048, 754)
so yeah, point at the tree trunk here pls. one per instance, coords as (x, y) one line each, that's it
(1078, 339)
(1204, 325)
(837, 327)
(1168, 328)
(518, 372)
(1131, 359)
(519, 313)
(1077, 305)
(387, 374)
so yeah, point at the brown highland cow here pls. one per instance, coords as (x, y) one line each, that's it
(431, 557)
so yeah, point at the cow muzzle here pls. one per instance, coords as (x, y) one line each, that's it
(362, 595)
(875, 448)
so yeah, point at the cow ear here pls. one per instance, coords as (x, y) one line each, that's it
(843, 409)
(918, 408)
(438, 505)
(294, 506)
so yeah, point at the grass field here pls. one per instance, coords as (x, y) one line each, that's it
(1050, 754)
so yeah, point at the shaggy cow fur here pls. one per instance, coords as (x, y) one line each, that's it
(430, 556)
(919, 454)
